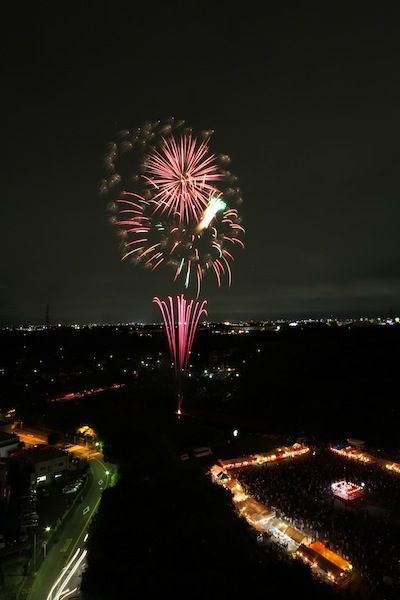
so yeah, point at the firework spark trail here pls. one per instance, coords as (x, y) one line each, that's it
(180, 320)
(215, 204)
(182, 173)
(191, 249)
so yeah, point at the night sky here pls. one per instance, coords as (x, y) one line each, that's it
(306, 102)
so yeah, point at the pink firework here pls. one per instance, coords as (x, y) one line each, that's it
(181, 320)
(155, 241)
(182, 174)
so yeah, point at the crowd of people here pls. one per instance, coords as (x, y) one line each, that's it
(365, 531)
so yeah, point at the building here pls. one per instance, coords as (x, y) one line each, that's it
(8, 443)
(4, 485)
(47, 464)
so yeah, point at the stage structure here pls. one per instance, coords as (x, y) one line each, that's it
(347, 490)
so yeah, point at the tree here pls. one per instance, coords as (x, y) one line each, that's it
(53, 438)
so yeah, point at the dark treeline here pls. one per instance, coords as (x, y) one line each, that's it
(329, 381)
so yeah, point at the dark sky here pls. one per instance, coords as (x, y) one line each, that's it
(306, 102)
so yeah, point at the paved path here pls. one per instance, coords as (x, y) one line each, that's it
(70, 537)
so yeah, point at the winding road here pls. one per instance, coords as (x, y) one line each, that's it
(58, 575)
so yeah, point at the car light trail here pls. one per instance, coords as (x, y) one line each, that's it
(58, 595)
(68, 593)
(58, 580)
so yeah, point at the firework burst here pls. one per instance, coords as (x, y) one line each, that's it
(181, 318)
(183, 174)
(170, 165)
(191, 250)
(175, 204)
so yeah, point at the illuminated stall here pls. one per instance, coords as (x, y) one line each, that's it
(350, 452)
(395, 467)
(328, 563)
(255, 513)
(265, 457)
(287, 535)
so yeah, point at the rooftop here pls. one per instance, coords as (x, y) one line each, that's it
(7, 437)
(41, 453)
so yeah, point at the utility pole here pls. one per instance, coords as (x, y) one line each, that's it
(34, 552)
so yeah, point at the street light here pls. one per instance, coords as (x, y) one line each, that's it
(107, 472)
(47, 529)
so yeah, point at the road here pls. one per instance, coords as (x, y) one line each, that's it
(86, 393)
(78, 450)
(30, 439)
(68, 549)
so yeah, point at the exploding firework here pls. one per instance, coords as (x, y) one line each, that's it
(191, 250)
(183, 174)
(175, 203)
(171, 166)
(181, 318)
